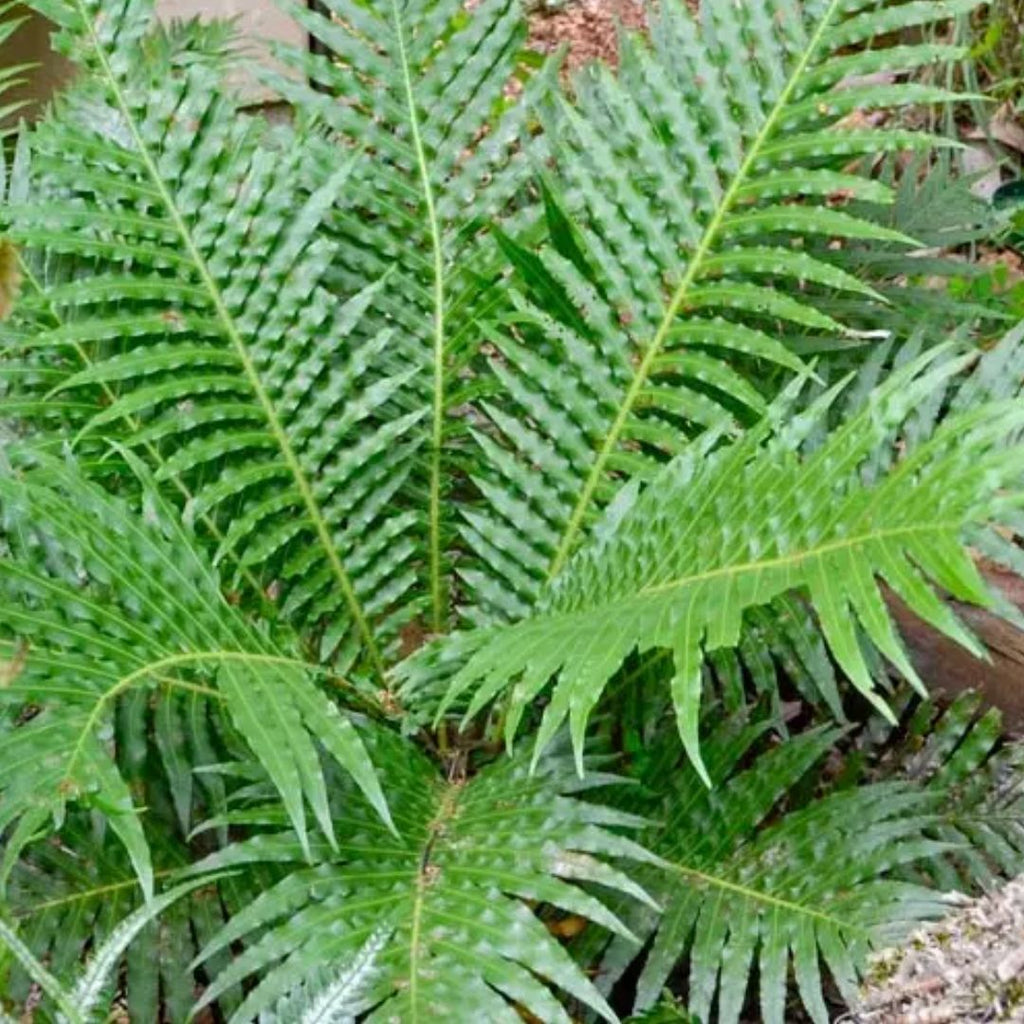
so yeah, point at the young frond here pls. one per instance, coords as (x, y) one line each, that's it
(699, 178)
(936, 205)
(729, 527)
(451, 890)
(742, 889)
(100, 600)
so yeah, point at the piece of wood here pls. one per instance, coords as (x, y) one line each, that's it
(945, 666)
(30, 44)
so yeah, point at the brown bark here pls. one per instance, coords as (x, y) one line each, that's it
(947, 667)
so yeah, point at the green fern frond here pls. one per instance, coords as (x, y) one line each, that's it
(99, 973)
(99, 601)
(933, 203)
(744, 889)
(69, 894)
(40, 975)
(996, 375)
(699, 177)
(197, 320)
(81, 1004)
(282, 403)
(450, 889)
(959, 753)
(425, 86)
(334, 997)
(720, 531)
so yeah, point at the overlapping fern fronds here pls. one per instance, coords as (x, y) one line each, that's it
(193, 316)
(450, 890)
(66, 899)
(743, 888)
(82, 1003)
(100, 601)
(432, 91)
(722, 530)
(695, 176)
(961, 751)
(280, 403)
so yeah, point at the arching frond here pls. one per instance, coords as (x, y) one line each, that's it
(451, 889)
(98, 601)
(815, 887)
(196, 320)
(698, 179)
(720, 531)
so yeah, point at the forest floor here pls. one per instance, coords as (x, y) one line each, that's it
(589, 28)
(967, 967)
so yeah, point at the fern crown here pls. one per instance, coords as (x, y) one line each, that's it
(340, 452)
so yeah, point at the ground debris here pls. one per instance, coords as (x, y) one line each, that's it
(968, 967)
(588, 27)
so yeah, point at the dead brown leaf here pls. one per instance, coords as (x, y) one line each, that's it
(10, 277)
(1004, 126)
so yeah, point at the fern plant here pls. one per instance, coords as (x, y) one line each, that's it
(338, 453)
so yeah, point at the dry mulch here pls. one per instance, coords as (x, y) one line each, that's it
(967, 968)
(589, 27)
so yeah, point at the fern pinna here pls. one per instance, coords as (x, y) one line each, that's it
(467, 403)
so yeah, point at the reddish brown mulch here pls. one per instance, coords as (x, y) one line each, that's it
(590, 27)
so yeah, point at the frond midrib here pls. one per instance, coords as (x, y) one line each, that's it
(437, 602)
(231, 330)
(446, 807)
(796, 557)
(790, 560)
(84, 896)
(764, 898)
(693, 271)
